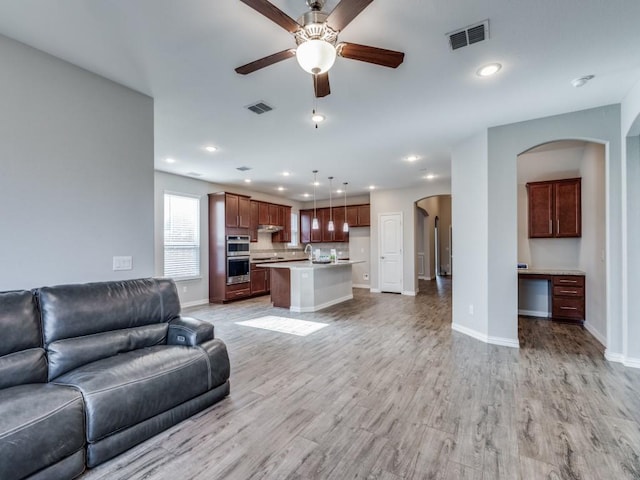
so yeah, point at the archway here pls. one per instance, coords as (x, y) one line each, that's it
(558, 160)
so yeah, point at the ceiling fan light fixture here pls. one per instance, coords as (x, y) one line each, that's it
(316, 56)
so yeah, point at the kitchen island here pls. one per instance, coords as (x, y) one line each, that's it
(304, 286)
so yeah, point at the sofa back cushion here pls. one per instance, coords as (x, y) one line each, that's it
(87, 322)
(22, 358)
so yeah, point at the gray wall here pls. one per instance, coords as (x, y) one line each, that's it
(76, 182)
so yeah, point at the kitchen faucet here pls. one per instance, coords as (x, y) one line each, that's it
(310, 252)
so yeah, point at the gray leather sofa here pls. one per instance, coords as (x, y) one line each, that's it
(123, 350)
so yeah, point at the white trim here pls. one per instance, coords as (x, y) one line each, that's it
(596, 334)
(503, 342)
(315, 308)
(613, 357)
(534, 313)
(423, 277)
(470, 332)
(411, 293)
(375, 290)
(361, 285)
(631, 362)
(195, 303)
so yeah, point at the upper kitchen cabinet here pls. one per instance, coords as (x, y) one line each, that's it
(338, 219)
(253, 230)
(237, 211)
(555, 208)
(359, 215)
(284, 235)
(305, 225)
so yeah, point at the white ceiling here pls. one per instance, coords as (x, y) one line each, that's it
(183, 53)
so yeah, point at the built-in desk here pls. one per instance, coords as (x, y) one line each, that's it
(566, 292)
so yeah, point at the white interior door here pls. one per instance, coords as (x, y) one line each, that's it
(390, 241)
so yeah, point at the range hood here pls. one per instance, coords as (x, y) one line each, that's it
(269, 228)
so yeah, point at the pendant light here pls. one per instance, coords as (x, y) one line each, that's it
(331, 227)
(345, 225)
(314, 223)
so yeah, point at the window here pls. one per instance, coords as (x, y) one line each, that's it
(181, 236)
(294, 230)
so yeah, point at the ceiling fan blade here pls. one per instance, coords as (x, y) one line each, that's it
(266, 61)
(274, 14)
(364, 53)
(321, 85)
(346, 11)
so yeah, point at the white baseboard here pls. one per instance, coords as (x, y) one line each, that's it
(613, 356)
(411, 293)
(534, 313)
(503, 342)
(631, 362)
(375, 290)
(596, 334)
(423, 277)
(361, 285)
(195, 303)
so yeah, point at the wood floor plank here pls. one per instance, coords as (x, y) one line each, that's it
(387, 391)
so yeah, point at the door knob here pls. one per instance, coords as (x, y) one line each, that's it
(382, 258)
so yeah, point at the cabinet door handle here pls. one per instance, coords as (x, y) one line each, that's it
(568, 281)
(568, 308)
(558, 225)
(550, 226)
(568, 291)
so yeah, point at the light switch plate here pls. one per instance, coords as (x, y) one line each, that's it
(122, 263)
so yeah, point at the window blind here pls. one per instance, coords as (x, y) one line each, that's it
(181, 236)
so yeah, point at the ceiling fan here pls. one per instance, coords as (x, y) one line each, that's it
(316, 34)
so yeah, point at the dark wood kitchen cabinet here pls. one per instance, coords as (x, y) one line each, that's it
(253, 229)
(555, 208)
(359, 215)
(284, 235)
(259, 280)
(237, 211)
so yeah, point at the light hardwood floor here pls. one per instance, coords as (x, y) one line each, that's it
(388, 391)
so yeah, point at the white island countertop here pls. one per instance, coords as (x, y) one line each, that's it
(306, 264)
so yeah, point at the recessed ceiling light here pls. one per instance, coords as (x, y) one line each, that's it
(430, 176)
(306, 195)
(281, 189)
(316, 183)
(489, 70)
(170, 160)
(579, 82)
(247, 180)
(210, 148)
(372, 187)
(412, 158)
(339, 191)
(317, 117)
(285, 174)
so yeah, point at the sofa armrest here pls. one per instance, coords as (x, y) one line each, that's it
(218, 358)
(188, 331)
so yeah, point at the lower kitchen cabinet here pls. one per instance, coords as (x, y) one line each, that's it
(238, 290)
(259, 280)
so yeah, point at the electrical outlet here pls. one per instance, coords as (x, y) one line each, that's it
(365, 276)
(184, 289)
(471, 309)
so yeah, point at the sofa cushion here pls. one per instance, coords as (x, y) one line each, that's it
(75, 310)
(128, 388)
(27, 366)
(19, 322)
(40, 424)
(69, 353)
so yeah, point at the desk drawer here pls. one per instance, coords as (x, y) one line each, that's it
(569, 308)
(568, 291)
(568, 281)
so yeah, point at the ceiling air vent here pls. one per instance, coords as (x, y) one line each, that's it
(243, 169)
(259, 108)
(469, 35)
